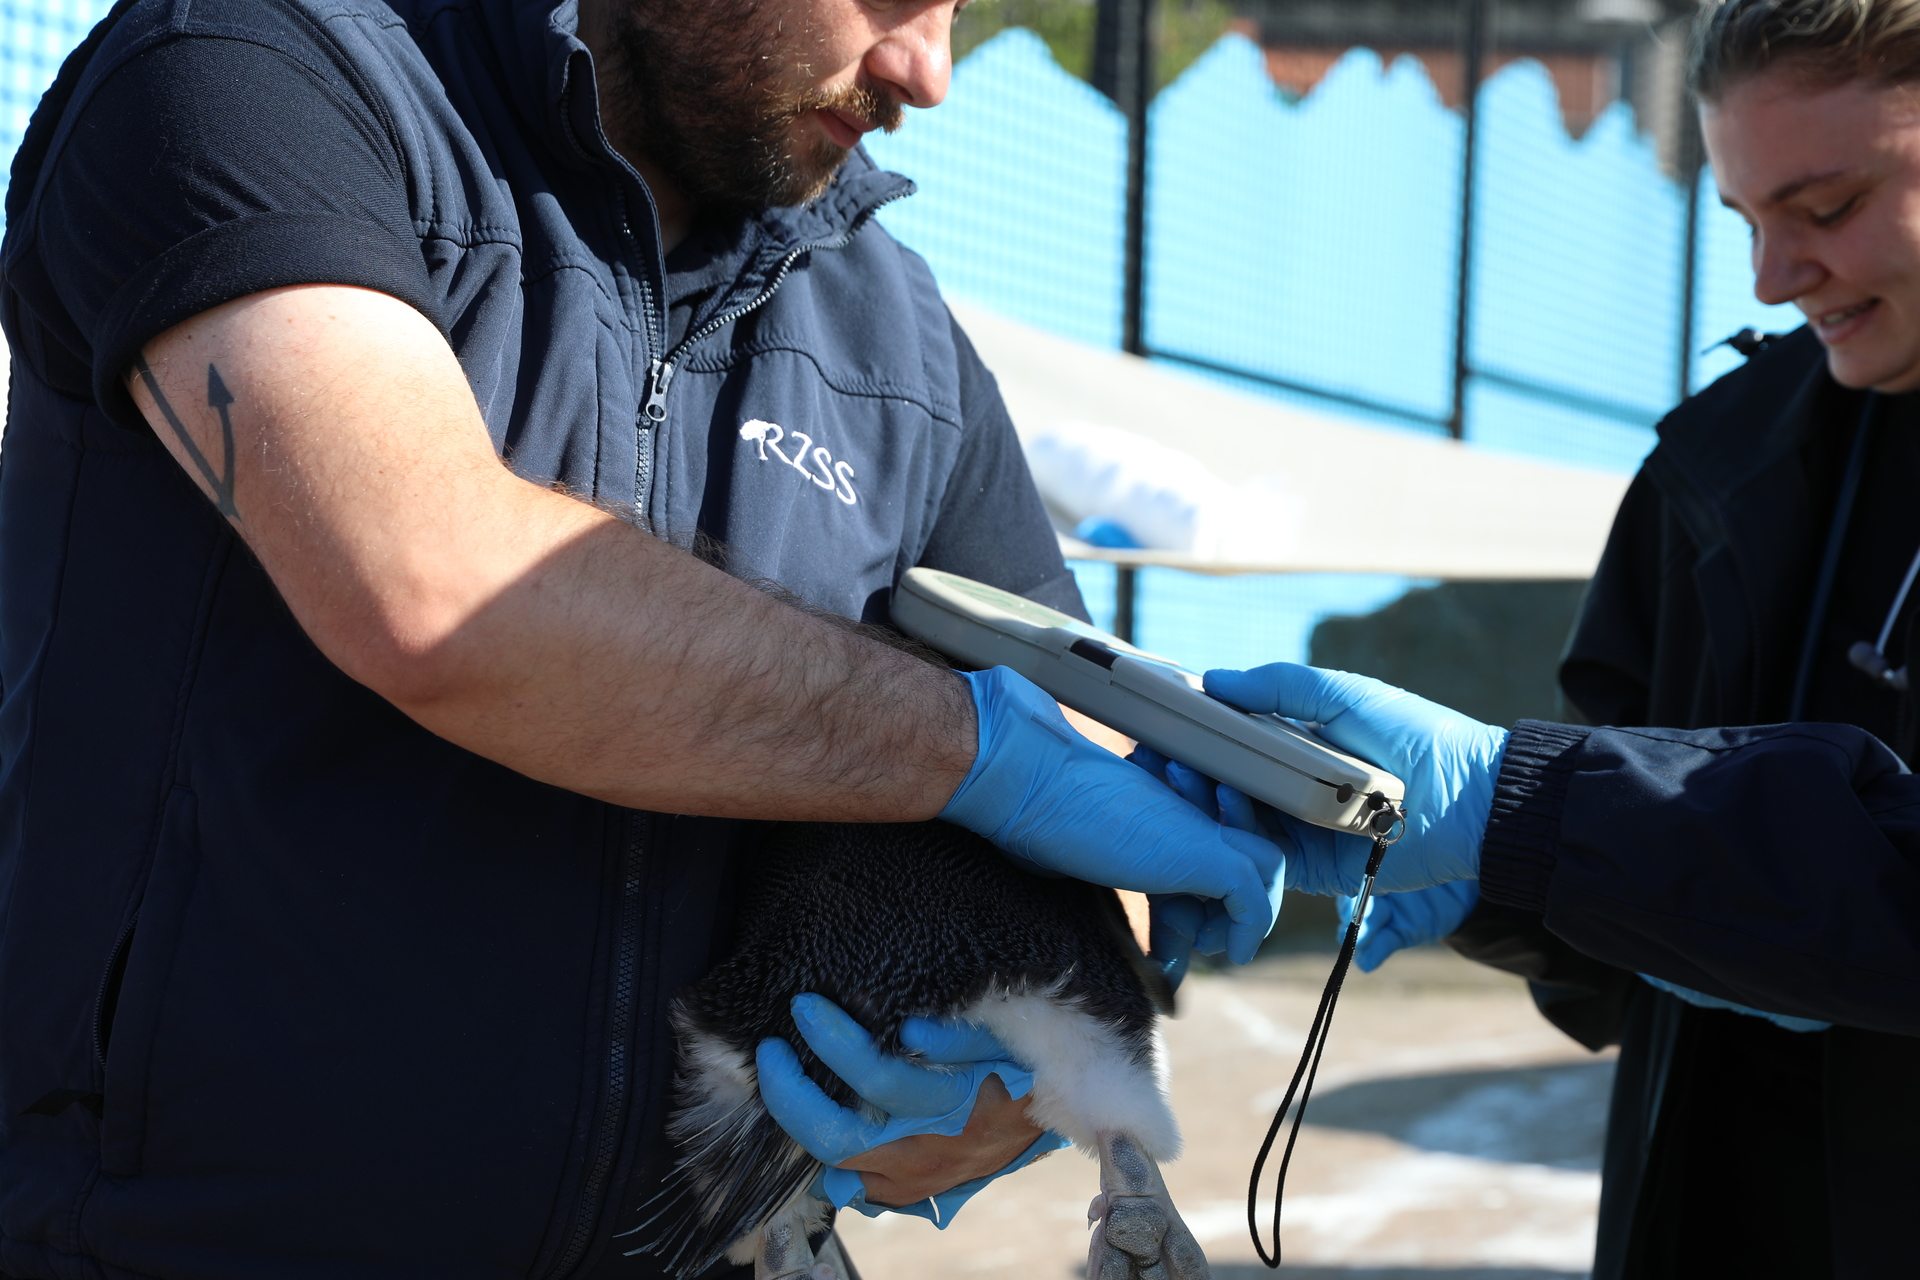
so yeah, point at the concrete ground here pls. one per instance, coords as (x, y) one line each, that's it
(1452, 1135)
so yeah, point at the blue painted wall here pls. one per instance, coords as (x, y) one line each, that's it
(1314, 241)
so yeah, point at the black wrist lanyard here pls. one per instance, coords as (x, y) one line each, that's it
(1310, 1058)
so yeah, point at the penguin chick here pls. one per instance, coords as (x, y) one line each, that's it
(891, 922)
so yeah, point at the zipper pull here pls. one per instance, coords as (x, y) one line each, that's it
(659, 378)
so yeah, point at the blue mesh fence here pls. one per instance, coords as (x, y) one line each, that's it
(1022, 191)
(34, 36)
(1578, 271)
(1309, 249)
(1309, 243)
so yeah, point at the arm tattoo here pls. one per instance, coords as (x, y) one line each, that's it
(219, 398)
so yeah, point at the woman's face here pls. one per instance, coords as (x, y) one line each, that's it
(1828, 181)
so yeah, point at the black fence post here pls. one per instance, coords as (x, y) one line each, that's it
(1473, 60)
(1692, 164)
(1109, 22)
(1126, 597)
(1133, 84)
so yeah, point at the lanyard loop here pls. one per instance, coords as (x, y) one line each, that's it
(1309, 1065)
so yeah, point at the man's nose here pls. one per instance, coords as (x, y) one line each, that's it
(914, 60)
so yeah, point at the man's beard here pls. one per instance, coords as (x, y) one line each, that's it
(713, 92)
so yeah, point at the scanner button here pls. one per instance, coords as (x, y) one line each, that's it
(1095, 652)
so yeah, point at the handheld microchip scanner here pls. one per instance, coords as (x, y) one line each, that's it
(1151, 699)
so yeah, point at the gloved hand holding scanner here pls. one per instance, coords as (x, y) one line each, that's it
(1429, 882)
(1148, 697)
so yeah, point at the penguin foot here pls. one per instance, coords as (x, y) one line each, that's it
(1137, 1233)
(782, 1253)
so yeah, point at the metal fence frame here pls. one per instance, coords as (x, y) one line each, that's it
(1129, 24)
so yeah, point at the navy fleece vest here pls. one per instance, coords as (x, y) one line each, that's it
(289, 986)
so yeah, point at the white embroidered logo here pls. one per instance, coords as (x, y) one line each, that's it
(810, 460)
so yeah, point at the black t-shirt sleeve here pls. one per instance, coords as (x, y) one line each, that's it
(992, 526)
(200, 170)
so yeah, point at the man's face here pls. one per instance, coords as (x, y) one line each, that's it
(1828, 179)
(746, 104)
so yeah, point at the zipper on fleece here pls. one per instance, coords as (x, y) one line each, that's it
(656, 338)
(659, 378)
(613, 1104)
(660, 375)
(622, 979)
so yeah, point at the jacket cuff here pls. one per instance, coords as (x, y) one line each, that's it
(1523, 830)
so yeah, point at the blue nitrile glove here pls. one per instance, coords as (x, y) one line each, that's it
(1178, 926)
(1702, 1000)
(1183, 924)
(913, 1099)
(1061, 804)
(1448, 761)
(1393, 921)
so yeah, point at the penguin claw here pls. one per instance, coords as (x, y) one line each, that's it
(1138, 1235)
(782, 1251)
(1143, 1238)
(807, 1271)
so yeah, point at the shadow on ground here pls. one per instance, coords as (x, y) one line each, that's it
(1548, 1115)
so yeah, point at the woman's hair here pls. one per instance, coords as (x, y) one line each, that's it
(1828, 42)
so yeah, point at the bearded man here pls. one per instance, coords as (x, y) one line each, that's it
(364, 801)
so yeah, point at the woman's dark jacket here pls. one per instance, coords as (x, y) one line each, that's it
(1697, 617)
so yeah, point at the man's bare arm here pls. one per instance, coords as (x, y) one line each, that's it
(334, 427)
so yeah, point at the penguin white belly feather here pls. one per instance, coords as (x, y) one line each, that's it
(892, 922)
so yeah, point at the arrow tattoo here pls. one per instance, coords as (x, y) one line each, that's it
(219, 484)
